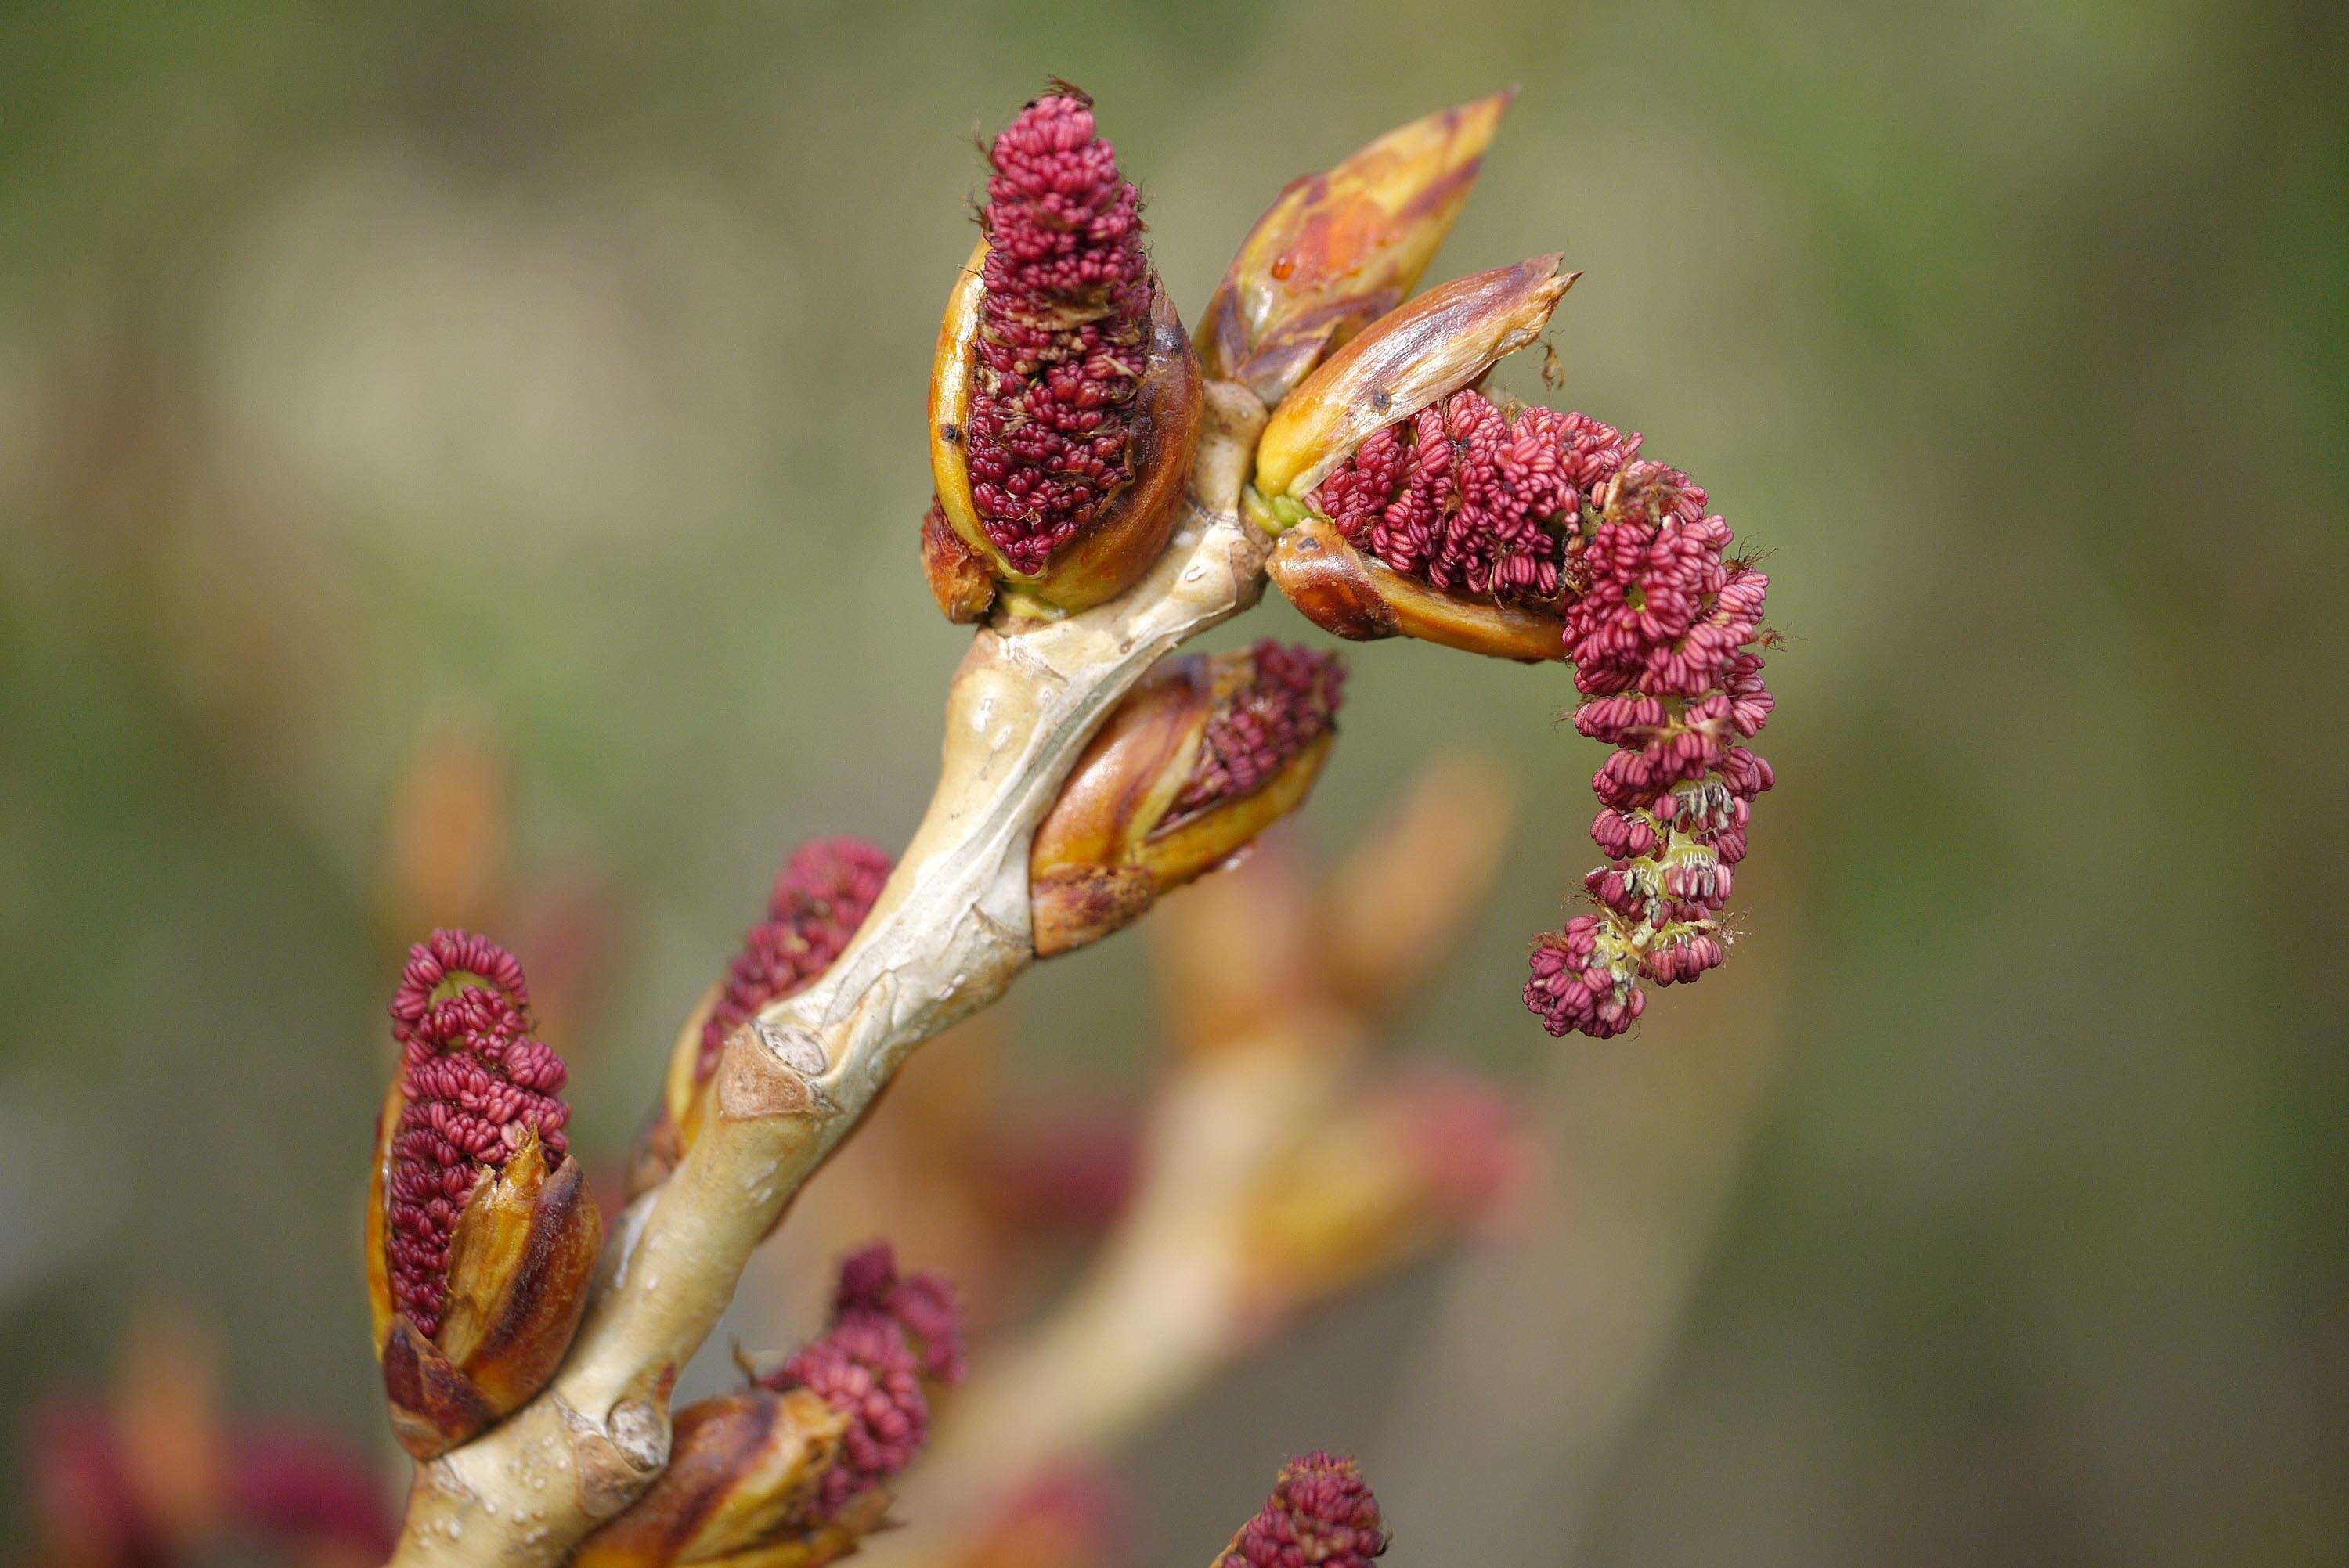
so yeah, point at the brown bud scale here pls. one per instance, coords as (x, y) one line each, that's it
(1340, 249)
(1203, 755)
(1355, 595)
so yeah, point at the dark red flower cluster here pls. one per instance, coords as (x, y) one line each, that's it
(475, 1083)
(888, 1333)
(923, 1305)
(1661, 633)
(819, 899)
(1288, 701)
(470, 959)
(1471, 500)
(1064, 332)
(1320, 1515)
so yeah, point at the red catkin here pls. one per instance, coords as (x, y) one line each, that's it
(1560, 512)
(1320, 1515)
(819, 899)
(475, 1083)
(1064, 333)
(1661, 629)
(1289, 700)
(888, 1334)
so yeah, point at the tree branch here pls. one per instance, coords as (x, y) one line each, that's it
(947, 935)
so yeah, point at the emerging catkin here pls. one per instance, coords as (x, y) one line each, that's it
(475, 1085)
(1064, 335)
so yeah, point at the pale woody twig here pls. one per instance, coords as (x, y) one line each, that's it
(948, 934)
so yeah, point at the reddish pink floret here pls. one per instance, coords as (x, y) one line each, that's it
(1575, 987)
(863, 1368)
(475, 1085)
(1661, 629)
(447, 953)
(1288, 702)
(923, 1304)
(888, 1334)
(1661, 609)
(1320, 1515)
(1474, 499)
(821, 897)
(1063, 336)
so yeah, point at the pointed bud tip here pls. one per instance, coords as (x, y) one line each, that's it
(1338, 248)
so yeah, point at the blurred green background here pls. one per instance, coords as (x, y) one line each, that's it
(535, 389)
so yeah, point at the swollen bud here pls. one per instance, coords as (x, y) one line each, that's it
(741, 1468)
(1321, 1513)
(1205, 754)
(819, 900)
(1409, 358)
(1064, 397)
(1391, 487)
(1340, 249)
(795, 1470)
(480, 1233)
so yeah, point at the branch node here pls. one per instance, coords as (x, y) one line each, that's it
(767, 1071)
(795, 1046)
(615, 1464)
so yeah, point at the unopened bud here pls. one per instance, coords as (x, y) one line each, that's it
(1205, 754)
(743, 1470)
(1064, 397)
(1340, 249)
(481, 1235)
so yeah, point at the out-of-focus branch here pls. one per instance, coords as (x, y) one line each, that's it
(949, 933)
(1237, 953)
(153, 1471)
(1274, 1177)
